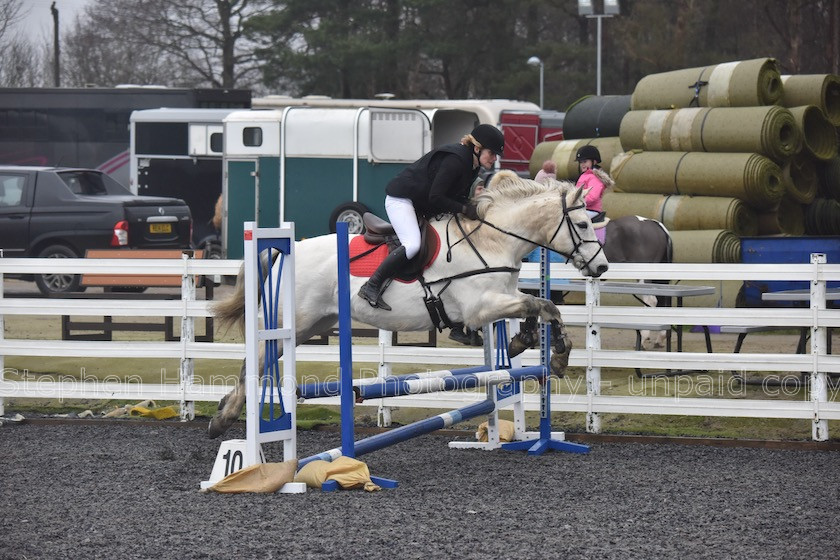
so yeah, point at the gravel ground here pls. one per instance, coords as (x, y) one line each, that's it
(126, 490)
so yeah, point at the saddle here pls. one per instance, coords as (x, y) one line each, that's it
(379, 239)
(599, 223)
(600, 220)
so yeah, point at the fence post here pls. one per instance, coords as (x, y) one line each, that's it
(819, 384)
(383, 414)
(187, 367)
(593, 343)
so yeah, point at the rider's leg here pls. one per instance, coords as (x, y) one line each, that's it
(404, 219)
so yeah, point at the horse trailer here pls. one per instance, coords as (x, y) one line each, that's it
(178, 153)
(310, 160)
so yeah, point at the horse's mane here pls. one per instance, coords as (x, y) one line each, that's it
(506, 185)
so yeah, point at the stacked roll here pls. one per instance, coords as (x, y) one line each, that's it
(706, 246)
(822, 90)
(677, 212)
(733, 84)
(749, 177)
(595, 116)
(770, 131)
(734, 147)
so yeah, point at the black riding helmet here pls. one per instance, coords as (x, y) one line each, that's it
(490, 137)
(588, 152)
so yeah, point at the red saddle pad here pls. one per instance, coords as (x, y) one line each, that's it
(365, 266)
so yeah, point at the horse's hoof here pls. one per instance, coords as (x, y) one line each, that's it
(559, 363)
(521, 342)
(458, 335)
(516, 347)
(218, 425)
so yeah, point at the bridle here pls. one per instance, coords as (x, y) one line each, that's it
(434, 304)
(565, 220)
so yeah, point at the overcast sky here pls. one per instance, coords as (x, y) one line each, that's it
(38, 23)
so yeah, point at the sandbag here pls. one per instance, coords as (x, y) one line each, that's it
(563, 154)
(595, 116)
(819, 136)
(744, 83)
(507, 431)
(349, 473)
(260, 478)
(751, 178)
(822, 90)
(706, 246)
(768, 130)
(685, 212)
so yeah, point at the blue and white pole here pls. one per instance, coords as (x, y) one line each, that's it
(409, 431)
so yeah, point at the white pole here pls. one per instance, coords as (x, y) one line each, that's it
(542, 69)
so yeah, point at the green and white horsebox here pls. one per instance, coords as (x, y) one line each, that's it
(316, 161)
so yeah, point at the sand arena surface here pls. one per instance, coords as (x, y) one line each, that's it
(130, 490)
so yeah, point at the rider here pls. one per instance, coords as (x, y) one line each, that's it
(593, 178)
(437, 183)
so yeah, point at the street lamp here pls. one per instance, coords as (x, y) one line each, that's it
(586, 9)
(535, 61)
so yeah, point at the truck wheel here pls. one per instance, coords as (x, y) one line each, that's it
(58, 283)
(350, 212)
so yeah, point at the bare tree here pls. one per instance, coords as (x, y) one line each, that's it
(11, 12)
(22, 63)
(168, 42)
(96, 52)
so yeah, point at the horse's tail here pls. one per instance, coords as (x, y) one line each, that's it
(231, 311)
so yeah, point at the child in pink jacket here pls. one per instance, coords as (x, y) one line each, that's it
(593, 178)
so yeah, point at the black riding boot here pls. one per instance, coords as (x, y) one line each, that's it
(372, 289)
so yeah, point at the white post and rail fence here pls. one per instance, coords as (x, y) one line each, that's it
(817, 364)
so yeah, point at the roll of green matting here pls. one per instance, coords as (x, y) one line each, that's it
(751, 178)
(801, 180)
(830, 178)
(822, 217)
(822, 90)
(745, 83)
(685, 212)
(768, 130)
(788, 218)
(706, 246)
(818, 135)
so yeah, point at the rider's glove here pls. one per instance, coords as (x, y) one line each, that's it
(470, 211)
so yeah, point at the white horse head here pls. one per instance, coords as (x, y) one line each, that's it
(551, 214)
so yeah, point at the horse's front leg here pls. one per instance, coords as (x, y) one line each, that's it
(498, 306)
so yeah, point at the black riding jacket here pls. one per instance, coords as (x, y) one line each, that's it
(439, 182)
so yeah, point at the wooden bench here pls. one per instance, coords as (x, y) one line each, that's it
(119, 286)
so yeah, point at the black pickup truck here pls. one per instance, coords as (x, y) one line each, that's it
(63, 212)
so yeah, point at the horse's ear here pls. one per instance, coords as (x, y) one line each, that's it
(579, 195)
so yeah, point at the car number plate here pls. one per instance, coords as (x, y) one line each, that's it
(160, 228)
